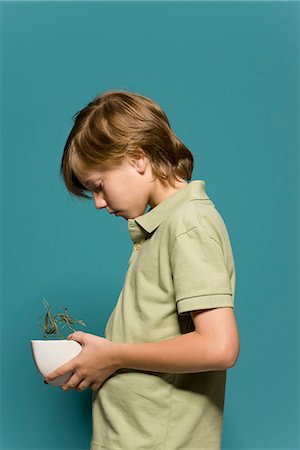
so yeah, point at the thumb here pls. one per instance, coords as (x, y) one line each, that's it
(78, 336)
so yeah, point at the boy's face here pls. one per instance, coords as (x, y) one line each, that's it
(124, 191)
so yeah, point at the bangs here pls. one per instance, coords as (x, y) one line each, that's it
(71, 168)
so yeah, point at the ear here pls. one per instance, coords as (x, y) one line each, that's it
(140, 162)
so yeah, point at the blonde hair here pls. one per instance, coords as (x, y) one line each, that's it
(118, 125)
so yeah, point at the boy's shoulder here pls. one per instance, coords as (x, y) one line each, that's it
(186, 216)
(195, 214)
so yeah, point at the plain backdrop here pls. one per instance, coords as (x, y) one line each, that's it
(227, 76)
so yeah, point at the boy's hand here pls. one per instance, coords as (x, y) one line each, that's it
(94, 364)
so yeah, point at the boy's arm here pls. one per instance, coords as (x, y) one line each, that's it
(214, 345)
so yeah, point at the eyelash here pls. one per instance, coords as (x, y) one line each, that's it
(98, 189)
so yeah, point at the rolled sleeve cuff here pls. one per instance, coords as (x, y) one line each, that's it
(186, 305)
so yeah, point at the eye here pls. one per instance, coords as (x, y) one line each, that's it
(98, 188)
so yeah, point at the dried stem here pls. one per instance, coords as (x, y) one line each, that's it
(55, 324)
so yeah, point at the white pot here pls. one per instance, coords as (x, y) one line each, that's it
(49, 355)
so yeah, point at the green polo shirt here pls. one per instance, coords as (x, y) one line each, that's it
(181, 261)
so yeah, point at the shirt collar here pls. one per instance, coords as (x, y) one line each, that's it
(142, 226)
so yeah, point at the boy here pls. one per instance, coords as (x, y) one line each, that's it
(159, 375)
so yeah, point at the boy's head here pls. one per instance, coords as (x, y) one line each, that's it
(118, 127)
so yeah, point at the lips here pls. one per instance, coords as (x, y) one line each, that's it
(112, 212)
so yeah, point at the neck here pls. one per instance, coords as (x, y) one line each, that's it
(161, 191)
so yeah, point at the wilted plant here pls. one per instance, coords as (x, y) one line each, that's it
(54, 324)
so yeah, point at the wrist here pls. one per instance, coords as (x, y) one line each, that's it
(117, 356)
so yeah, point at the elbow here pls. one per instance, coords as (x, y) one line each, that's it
(231, 355)
(231, 363)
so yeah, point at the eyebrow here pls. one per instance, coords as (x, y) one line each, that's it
(89, 182)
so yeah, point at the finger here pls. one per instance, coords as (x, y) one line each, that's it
(96, 386)
(62, 370)
(78, 336)
(73, 382)
(83, 385)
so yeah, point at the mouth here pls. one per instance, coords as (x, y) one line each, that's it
(112, 212)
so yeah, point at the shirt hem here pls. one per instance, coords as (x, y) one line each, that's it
(186, 305)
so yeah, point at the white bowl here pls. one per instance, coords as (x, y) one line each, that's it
(49, 355)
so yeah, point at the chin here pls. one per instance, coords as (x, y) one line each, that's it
(133, 215)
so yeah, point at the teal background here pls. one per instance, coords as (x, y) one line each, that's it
(226, 74)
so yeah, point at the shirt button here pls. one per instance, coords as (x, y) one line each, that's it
(137, 246)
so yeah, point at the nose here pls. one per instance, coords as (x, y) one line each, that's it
(99, 201)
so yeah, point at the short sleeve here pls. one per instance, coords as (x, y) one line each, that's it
(200, 276)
